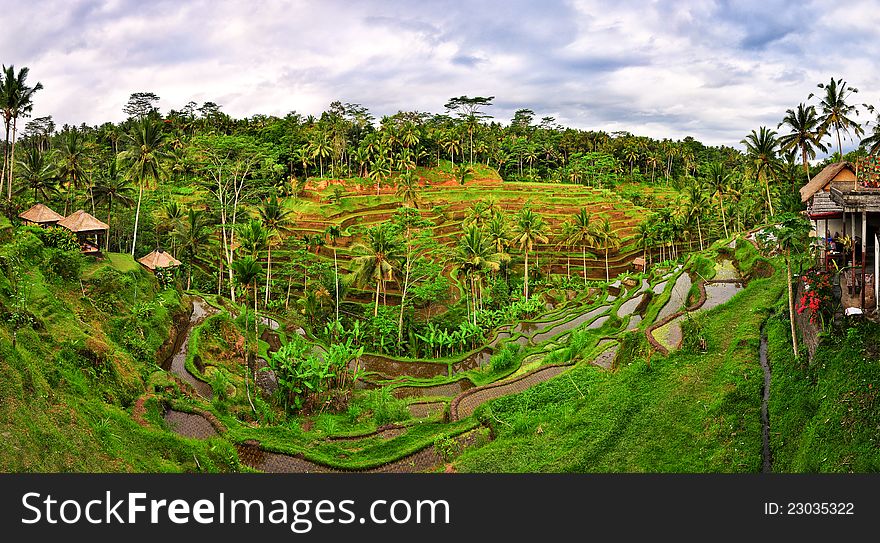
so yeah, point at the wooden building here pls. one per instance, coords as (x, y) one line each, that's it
(840, 202)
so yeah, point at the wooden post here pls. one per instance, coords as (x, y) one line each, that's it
(864, 246)
(852, 271)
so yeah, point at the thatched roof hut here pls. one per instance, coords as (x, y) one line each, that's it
(81, 222)
(158, 259)
(40, 214)
(838, 172)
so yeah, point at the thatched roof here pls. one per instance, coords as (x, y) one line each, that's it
(80, 221)
(159, 259)
(40, 214)
(823, 178)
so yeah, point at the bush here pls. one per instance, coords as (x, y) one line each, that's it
(64, 263)
(506, 358)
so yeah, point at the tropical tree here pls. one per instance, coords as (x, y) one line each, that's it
(277, 221)
(528, 230)
(805, 134)
(334, 232)
(72, 164)
(762, 149)
(408, 188)
(717, 182)
(16, 100)
(836, 112)
(37, 172)
(606, 238)
(581, 233)
(246, 272)
(791, 237)
(142, 161)
(475, 256)
(113, 188)
(375, 259)
(192, 234)
(696, 204)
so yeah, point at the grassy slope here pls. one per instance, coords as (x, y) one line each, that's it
(688, 412)
(826, 416)
(68, 387)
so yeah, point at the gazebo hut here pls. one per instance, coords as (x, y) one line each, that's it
(40, 215)
(158, 259)
(84, 225)
(638, 264)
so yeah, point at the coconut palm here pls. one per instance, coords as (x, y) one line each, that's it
(277, 221)
(606, 238)
(142, 161)
(246, 271)
(112, 188)
(408, 188)
(580, 233)
(805, 135)
(320, 148)
(334, 232)
(192, 234)
(717, 183)
(374, 260)
(528, 230)
(696, 204)
(72, 164)
(475, 256)
(836, 112)
(38, 173)
(173, 215)
(762, 150)
(16, 100)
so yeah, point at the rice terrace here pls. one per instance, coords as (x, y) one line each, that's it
(186, 291)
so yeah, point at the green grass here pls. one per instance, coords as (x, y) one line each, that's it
(825, 416)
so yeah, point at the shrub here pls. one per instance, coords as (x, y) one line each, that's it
(506, 358)
(64, 263)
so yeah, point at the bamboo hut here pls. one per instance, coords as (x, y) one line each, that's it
(158, 259)
(85, 225)
(40, 215)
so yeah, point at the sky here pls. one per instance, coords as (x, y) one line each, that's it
(713, 70)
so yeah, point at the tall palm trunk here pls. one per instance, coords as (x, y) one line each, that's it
(376, 307)
(723, 219)
(6, 164)
(268, 273)
(607, 275)
(336, 277)
(584, 258)
(791, 312)
(109, 211)
(137, 216)
(11, 170)
(700, 232)
(527, 274)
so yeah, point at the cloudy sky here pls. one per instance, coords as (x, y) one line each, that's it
(713, 70)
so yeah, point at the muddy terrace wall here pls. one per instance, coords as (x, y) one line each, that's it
(808, 331)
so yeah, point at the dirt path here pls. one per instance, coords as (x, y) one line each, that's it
(765, 399)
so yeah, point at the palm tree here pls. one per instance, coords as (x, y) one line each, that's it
(607, 239)
(277, 221)
(320, 148)
(836, 112)
(334, 232)
(72, 164)
(16, 100)
(529, 230)
(408, 188)
(580, 232)
(805, 135)
(475, 256)
(142, 161)
(246, 271)
(172, 219)
(38, 173)
(375, 259)
(762, 152)
(111, 188)
(696, 206)
(716, 182)
(192, 235)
